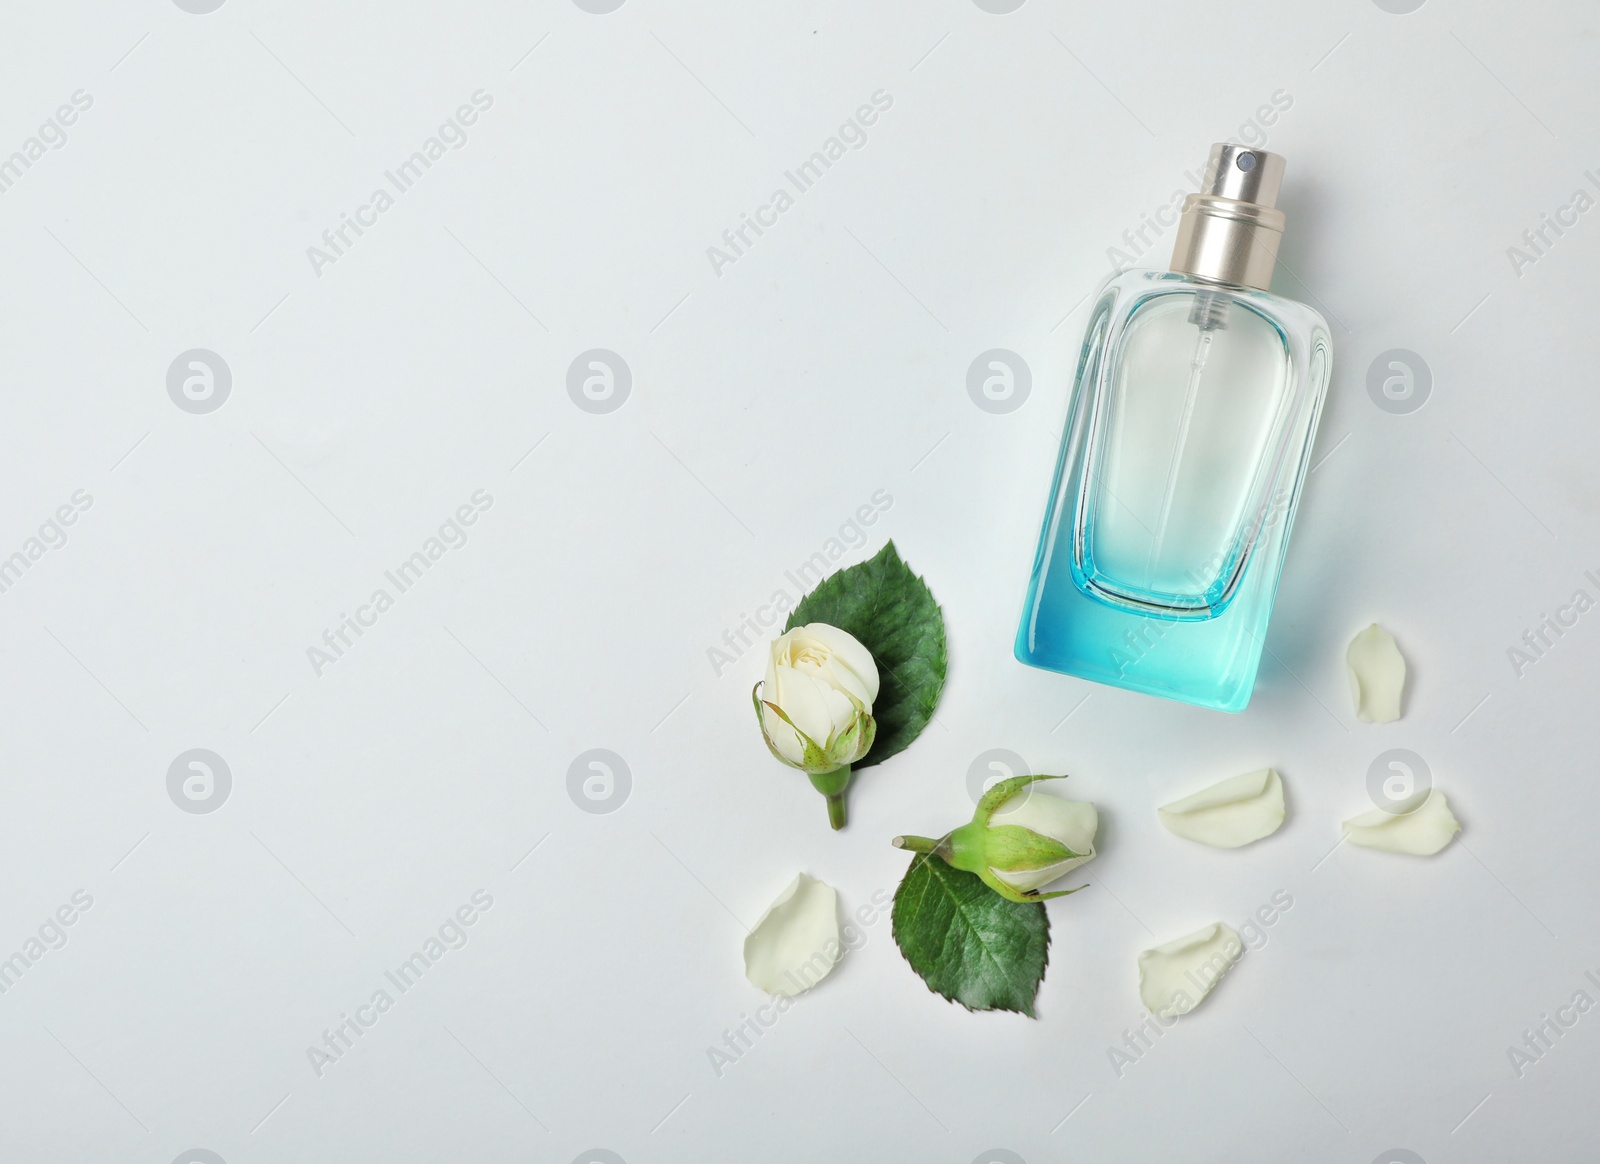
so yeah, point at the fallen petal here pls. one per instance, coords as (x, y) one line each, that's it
(1175, 978)
(1423, 828)
(1377, 675)
(796, 943)
(1231, 812)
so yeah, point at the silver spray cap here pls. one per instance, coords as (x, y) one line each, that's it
(1230, 230)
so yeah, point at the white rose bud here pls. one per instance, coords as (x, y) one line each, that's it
(1018, 840)
(1070, 823)
(815, 706)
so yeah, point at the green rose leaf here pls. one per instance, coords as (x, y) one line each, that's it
(967, 942)
(893, 614)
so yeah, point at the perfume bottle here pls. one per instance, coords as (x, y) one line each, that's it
(1186, 446)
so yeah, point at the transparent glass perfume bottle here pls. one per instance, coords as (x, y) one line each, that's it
(1194, 409)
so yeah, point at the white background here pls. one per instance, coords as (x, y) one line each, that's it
(768, 403)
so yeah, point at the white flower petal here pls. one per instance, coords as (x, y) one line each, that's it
(796, 943)
(841, 709)
(1231, 812)
(1377, 675)
(1023, 880)
(1422, 829)
(788, 742)
(837, 675)
(848, 652)
(1175, 978)
(805, 701)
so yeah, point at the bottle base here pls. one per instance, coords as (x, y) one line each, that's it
(1210, 663)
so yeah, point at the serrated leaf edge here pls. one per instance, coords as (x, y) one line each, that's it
(894, 929)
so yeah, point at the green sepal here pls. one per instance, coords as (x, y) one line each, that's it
(977, 846)
(1012, 893)
(856, 739)
(1016, 849)
(842, 751)
(1003, 791)
(815, 758)
(1009, 892)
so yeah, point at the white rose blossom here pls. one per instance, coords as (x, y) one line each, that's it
(815, 706)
